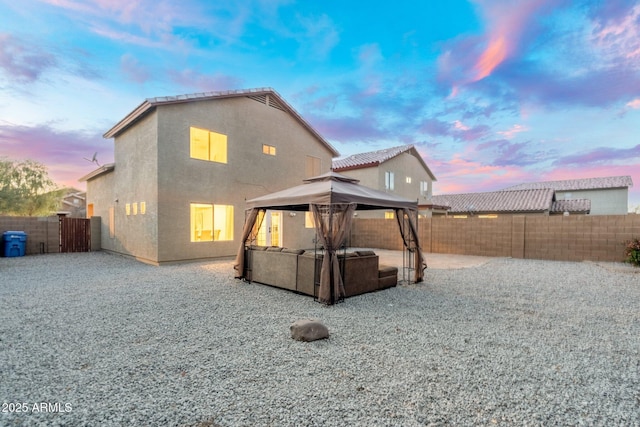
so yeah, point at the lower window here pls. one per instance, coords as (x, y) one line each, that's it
(211, 222)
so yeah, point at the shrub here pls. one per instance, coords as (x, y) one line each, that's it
(632, 251)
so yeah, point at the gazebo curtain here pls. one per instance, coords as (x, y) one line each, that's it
(419, 260)
(333, 223)
(249, 232)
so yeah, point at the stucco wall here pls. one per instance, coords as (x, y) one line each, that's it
(404, 165)
(603, 202)
(248, 172)
(100, 194)
(134, 180)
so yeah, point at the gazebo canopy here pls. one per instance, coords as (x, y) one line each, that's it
(332, 198)
(328, 189)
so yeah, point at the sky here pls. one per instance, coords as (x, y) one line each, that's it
(492, 93)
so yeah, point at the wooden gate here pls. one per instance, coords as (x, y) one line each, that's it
(75, 234)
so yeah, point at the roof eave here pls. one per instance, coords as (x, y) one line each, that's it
(361, 166)
(151, 103)
(422, 162)
(130, 118)
(100, 171)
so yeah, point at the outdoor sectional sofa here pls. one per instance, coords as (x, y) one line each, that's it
(294, 269)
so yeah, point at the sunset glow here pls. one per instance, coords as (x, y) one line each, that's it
(492, 93)
(495, 53)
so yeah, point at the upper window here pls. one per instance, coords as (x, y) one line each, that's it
(207, 145)
(389, 180)
(268, 149)
(424, 188)
(408, 180)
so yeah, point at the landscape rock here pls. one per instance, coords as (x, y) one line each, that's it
(308, 330)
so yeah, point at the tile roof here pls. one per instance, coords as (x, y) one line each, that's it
(573, 206)
(375, 158)
(537, 200)
(258, 94)
(578, 184)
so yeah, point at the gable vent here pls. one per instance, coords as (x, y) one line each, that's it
(275, 104)
(260, 98)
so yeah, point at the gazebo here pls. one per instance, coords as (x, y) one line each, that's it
(333, 198)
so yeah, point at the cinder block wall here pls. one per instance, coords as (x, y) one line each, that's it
(42, 232)
(375, 233)
(578, 238)
(572, 238)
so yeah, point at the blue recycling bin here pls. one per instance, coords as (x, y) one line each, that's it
(14, 243)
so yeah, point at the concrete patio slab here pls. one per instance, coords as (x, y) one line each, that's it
(435, 261)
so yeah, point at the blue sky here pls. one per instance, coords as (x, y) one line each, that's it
(492, 93)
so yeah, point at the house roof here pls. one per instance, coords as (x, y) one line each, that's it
(573, 206)
(536, 200)
(258, 94)
(330, 188)
(578, 184)
(101, 170)
(375, 158)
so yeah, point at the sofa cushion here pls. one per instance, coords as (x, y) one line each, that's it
(258, 248)
(365, 253)
(387, 270)
(347, 255)
(274, 249)
(293, 251)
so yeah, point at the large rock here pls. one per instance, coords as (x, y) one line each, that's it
(308, 330)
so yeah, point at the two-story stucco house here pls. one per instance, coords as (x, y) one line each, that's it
(185, 165)
(398, 170)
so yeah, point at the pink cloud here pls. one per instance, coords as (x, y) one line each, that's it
(150, 15)
(600, 155)
(635, 104)
(147, 23)
(22, 62)
(475, 58)
(63, 152)
(513, 131)
(456, 130)
(619, 37)
(344, 129)
(461, 175)
(132, 68)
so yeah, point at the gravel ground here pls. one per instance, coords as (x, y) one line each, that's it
(97, 339)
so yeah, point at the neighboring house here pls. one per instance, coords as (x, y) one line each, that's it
(185, 165)
(398, 170)
(496, 203)
(608, 196)
(73, 204)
